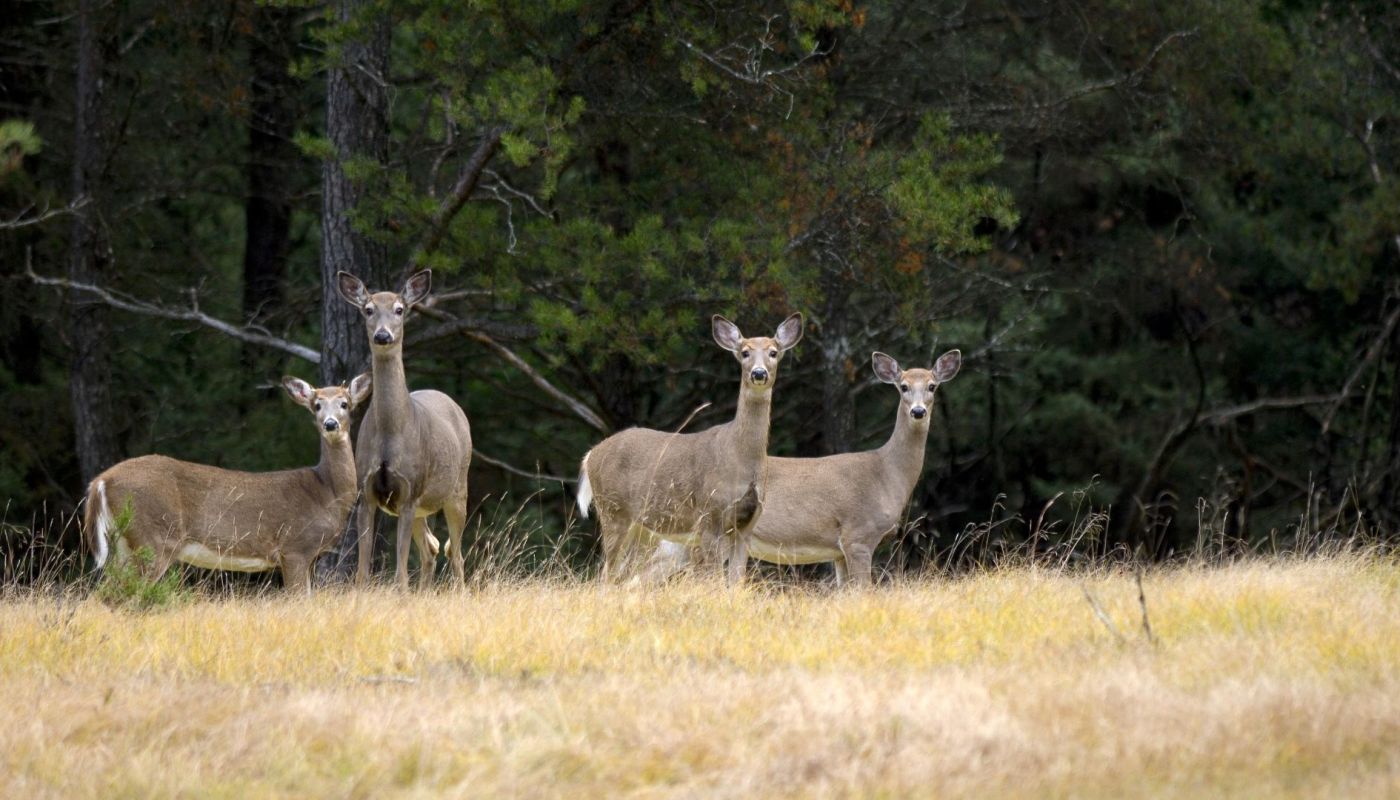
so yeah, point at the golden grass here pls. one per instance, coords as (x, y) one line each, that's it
(1269, 679)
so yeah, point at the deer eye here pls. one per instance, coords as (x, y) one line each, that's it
(398, 310)
(904, 387)
(369, 310)
(772, 353)
(344, 404)
(744, 354)
(316, 406)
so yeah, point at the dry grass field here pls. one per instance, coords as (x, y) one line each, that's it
(1269, 678)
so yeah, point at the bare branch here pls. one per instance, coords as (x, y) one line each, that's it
(575, 405)
(251, 334)
(514, 470)
(1129, 78)
(22, 220)
(466, 183)
(1371, 353)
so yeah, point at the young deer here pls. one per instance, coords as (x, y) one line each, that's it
(242, 521)
(413, 450)
(839, 508)
(701, 488)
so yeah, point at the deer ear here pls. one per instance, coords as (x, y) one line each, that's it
(726, 333)
(352, 289)
(360, 389)
(299, 390)
(947, 366)
(790, 332)
(416, 288)
(886, 368)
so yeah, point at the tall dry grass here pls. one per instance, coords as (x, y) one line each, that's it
(1265, 678)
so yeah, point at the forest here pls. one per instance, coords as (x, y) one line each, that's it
(1165, 237)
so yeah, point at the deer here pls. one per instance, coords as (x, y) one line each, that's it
(702, 488)
(229, 520)
(839, 508)
(413, 449)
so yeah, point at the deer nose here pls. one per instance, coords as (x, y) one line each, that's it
(331, 424)
(382, 336)
(759, 375)
(918, 412)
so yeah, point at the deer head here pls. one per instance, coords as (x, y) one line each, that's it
(916, 386)
(332, 405)
(758, 356)
(385, 312)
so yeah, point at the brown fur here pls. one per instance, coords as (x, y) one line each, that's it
(707, 485)
(413, 450)
(285, 518)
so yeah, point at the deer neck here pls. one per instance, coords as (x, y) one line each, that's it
(750, 425)
(903, 454)
(390, 404)
(337, 467)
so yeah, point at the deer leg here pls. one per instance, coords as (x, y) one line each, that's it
(401, 543)
(738, 553)
(456, 514)
(715, 546)
(159, 563)
(427, 561)
(610, 530)
(839, 565)
(858, 555)
(365, 535)
(666, 560)
(296, 575)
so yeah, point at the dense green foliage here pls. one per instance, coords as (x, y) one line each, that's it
(1166, 237)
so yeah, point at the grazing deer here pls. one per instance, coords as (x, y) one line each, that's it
(839, 508)
(242, 521)
(413, 450)
(701, 488)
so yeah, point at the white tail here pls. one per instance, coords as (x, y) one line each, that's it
(585, 489)
(97, 506)
(687, 487)
(222, 519)
(413, 450)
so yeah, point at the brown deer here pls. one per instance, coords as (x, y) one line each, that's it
(839, 508)
(703, 488)
(413, 449)
(222, 519)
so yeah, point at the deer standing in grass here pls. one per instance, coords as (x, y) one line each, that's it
(241, 521)
(840, 507)
(413, 450)
(703, 488)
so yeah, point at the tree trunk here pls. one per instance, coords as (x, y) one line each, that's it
(271, 156)
(357, 124)
(357, 108)
(94, 437)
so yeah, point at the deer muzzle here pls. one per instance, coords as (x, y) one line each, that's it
(918, 412)
(383, 336)
(331, 424)
(759, 375)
